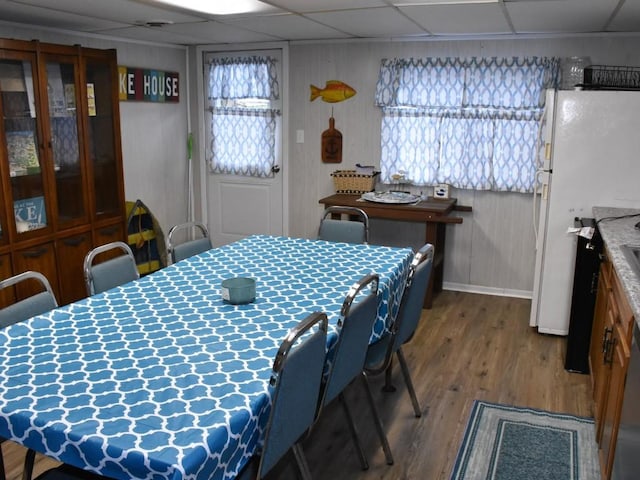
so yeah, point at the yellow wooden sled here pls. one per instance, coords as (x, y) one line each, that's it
(145, 238)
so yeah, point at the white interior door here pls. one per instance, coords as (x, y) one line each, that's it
(239, 205)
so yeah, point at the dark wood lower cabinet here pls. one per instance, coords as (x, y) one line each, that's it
(609, 360)
(41, 258)
(70, 253)
(7, 295)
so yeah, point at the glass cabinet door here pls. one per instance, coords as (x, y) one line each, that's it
(62, 93)
(22, 145)
(101, 136)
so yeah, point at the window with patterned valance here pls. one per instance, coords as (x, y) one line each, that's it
(244, 116)
(472, 123)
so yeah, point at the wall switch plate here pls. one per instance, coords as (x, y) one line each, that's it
(299, 136)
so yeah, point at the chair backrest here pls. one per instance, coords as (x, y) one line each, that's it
(348, 230)
(112, 272)
(296, 380)
(346, 357)
(36, 304)
(413, 296)
(189, 248)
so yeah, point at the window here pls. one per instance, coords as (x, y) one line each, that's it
(471, 123)
(243, 114)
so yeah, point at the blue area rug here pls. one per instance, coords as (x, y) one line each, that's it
(512, 443)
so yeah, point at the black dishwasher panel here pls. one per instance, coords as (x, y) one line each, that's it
(583, 299)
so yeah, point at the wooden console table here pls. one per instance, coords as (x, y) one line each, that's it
(435, 214)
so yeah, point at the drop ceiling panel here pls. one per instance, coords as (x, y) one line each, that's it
(288, 26)
(457, 19)
(216, 32)
(302, 6)
(628, 18)
(124, 11)
(534, 16)
(372, 22)
(328, 19)
(155, 35)
(31, 15)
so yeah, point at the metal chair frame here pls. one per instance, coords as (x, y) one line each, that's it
(44, 300)
(180, 251)
(401, 332)
(278, 375)
(89, 266)
(330, 212)
(47, 297)
(346, 360)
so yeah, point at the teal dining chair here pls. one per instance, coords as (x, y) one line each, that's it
(40, 302)
(345, 360)
(112, 272)
(380, 354)
(180, 251)
(23, 309)
(352, 229)
(295, 382)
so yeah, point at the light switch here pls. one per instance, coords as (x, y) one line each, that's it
(299, 136)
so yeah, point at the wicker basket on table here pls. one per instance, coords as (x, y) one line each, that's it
(348, 181)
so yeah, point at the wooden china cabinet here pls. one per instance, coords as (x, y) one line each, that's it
(60, 161)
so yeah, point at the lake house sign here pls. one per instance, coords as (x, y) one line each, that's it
(145, 85)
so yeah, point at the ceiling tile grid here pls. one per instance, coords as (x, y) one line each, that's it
(321, 20)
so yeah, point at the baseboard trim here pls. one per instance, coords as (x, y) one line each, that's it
(500, 292)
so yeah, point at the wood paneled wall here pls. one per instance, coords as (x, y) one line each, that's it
(494, 249)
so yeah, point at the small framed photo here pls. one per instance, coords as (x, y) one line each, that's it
(441, 191)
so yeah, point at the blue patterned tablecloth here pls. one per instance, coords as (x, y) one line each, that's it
(159, 378)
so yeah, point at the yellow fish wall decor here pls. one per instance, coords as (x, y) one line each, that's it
(333, 92)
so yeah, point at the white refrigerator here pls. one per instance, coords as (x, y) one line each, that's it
(591, 158)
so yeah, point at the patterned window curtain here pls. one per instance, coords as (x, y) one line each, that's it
(472, 123)
(243, 124)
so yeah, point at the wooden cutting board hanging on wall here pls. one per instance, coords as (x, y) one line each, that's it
(332, 144)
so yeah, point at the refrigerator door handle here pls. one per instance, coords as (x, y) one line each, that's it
(536, 180)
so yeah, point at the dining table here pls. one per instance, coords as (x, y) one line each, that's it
(161, 378)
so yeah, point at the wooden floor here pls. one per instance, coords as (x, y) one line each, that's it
(467, 347)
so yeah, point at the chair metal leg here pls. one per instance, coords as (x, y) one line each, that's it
(2, 474)
(376, 419)
(29, 460)
(301, 461)
(388, 386)
(407, 380)
(354, 432)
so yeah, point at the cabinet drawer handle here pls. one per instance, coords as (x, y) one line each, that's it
(108, 231)
(608, 358)
(74, 242)
(34, 253)
(606, 339)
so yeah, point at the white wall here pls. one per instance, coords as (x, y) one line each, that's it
(493, 250)
(154, 135)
